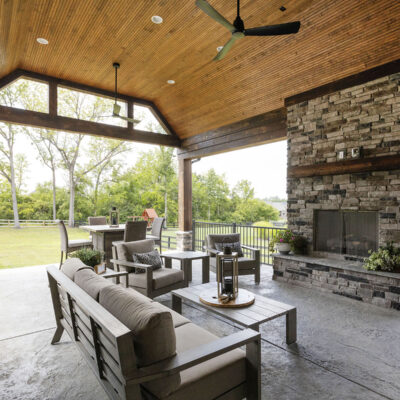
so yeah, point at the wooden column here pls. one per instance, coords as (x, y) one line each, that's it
(185, 195)
(53, 98)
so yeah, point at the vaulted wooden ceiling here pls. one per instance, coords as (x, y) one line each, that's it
(337, 38)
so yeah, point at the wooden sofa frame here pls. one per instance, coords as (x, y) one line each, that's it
(107, 346)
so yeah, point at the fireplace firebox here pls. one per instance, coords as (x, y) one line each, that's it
(351, 233)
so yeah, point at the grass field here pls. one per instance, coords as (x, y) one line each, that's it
(35, 246)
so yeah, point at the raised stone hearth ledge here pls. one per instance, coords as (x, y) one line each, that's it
(345, 278)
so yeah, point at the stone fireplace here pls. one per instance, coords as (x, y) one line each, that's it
(337, 199)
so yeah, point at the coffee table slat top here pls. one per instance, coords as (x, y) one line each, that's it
(261, 311)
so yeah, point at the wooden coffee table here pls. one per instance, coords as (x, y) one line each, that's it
(186, 258)
(261, 311)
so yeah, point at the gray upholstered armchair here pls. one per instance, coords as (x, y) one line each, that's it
(150, 282)
(247, 265)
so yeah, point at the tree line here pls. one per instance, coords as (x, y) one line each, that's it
(97, 174)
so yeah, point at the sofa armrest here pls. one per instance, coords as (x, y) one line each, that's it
(198, 355)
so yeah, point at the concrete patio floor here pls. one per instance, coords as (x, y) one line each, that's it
(345, 349)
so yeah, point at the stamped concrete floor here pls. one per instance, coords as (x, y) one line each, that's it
(345, 349)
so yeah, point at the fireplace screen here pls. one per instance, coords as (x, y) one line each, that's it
(346, 232)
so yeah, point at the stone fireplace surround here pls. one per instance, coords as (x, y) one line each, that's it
(366, 116)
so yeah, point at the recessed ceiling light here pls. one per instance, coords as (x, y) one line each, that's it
(219, 48)
(171, 82)
(42, 40)
(156, 19)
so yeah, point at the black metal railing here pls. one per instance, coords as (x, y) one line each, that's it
(253, 236)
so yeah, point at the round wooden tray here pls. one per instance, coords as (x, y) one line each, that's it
(210, 298)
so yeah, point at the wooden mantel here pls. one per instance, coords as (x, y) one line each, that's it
(383, 163)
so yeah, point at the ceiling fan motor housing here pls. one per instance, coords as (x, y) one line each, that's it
(238, 24)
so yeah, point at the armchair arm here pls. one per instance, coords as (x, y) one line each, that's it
(250, 248)
(209, 251)
(197, 355)
(130, 264)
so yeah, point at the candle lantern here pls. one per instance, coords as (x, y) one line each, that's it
(114, 217)
(227, 275)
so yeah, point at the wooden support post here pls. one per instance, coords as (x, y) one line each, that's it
(53, 98)
(185, 195)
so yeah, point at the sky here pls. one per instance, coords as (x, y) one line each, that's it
(264, 166)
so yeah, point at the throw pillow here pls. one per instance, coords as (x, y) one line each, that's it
(235, 246)
(151, 258)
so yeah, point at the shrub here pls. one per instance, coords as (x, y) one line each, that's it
(89, 256)
(265, 234)
(386, 258)
(299, 244)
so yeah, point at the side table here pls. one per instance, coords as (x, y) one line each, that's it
(186, 258)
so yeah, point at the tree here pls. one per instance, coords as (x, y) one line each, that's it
(254, 210)
(243, 190)
(43, 141)
(81, 106)
(103, 160)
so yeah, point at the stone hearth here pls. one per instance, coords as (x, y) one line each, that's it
(344, 278)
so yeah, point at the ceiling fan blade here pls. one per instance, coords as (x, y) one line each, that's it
(221, 54)
(134, 121)
(214, 14)
(273, 30)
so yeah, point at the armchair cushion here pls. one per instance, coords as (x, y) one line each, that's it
(126, 249)
(72, 265)
(90, 282)
(235, 246)
(162, 277)
(228, 238)
(151, 258)
(207, 380)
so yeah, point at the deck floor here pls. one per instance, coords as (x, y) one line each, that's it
(345, 349)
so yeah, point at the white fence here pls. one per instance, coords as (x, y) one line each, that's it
(4, 223)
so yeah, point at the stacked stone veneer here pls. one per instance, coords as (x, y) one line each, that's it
(380, 289)
(367, 115)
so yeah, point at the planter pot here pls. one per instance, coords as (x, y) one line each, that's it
(283, 248)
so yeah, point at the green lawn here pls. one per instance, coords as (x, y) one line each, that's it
(33, 246)
(36, 246)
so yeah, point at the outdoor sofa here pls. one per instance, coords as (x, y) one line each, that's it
(140, 349)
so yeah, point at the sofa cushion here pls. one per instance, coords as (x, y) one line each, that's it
(209, 379)
(125, 249)
(152, 327)
(72, 265)
(91, 283)
(177, 319)
(162, 277)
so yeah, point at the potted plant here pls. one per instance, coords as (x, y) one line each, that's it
(386, 258)
(281, 241)
(299, 244)
(92, 258)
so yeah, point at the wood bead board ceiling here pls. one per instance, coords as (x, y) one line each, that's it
(337, 38)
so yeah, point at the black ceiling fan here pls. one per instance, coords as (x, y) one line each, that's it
(237, 28)
(116, 106)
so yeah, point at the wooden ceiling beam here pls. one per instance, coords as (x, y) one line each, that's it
(349, 81)
(56, 122)
(264, 128)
